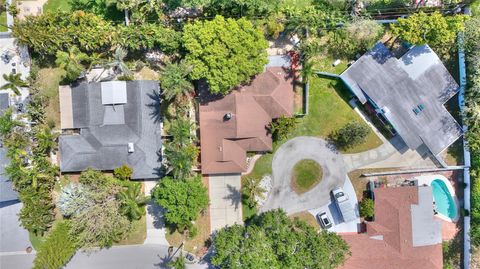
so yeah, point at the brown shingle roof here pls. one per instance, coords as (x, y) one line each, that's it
(388, 241)
(224, 143)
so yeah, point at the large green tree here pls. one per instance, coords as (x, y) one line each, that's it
(174, 80)
(272, 240)
(71, 62)
(132, 201)
(51, 32)
(226, 52)
(433, 29)
(183, 200)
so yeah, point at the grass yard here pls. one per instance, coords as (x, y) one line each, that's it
(306, 174)
(57, 5)
(329, 111)
(36, 240)
(196, 245)
(137, 235)
(48, 80)
(3, 22)
(307, 217)
(248, 212)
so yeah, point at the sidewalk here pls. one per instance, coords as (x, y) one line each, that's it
(155, 225)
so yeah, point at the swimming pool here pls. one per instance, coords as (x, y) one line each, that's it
(444, 203)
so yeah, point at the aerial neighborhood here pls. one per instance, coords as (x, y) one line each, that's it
(309, 134)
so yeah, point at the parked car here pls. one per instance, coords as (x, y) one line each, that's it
(324, 220)
(343, 204)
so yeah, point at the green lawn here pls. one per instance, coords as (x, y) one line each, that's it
(36, 240)
(48, 80)
(138, 234)
(57, 5)
(328, 112)
(306, 174)
(3, 22)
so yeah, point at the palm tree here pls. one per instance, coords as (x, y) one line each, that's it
(173, 80)
(14, 83)
(251, 188)
(180, 160)
(45, 139)
(118, 63)
(181, 130)
(132, 202)
(71, 62)
(178, 263)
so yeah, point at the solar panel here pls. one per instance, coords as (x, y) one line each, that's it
(114, 92)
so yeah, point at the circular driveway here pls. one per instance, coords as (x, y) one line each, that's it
(282, 195)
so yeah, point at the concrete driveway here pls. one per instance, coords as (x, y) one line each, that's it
(225, 200)
(340, 226)
(155, 224)
(294, 150)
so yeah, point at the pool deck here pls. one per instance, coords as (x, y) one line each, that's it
(427, 180)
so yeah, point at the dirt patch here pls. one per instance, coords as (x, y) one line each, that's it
(307, 217)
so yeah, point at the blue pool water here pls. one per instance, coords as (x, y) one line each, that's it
(444, 202)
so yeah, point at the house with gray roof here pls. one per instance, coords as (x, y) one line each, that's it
(409, 92)
(107, 124)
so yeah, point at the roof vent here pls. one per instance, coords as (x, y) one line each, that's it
(227, 116)
(131, 148)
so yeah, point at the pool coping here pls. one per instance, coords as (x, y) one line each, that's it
(427, 180)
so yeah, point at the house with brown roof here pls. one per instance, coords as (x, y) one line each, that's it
(238, 123)
(405, 233)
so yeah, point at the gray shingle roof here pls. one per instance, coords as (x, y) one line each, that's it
(399, 86)
(7, 194)
(105, 131)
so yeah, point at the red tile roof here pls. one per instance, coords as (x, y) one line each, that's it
(388, 241)
(224, 143)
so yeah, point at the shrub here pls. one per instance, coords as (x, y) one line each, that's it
(367, 208)
(58, 249)
(281, 127)
(182, 199)
(123, 172)
(350, 135)
(74, 199)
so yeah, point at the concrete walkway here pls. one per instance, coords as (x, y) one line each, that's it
(155, 225)
(225, 201)
(294, 150)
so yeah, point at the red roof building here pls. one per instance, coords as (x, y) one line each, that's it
(404, 235)
(237, 123)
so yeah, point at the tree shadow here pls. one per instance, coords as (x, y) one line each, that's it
(154, 106)
(157, 213)
(235, 196)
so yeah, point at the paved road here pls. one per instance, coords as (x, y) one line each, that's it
(282, 195)
(16, 261)
(125, 257)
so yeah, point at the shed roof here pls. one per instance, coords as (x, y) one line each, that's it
(393, 239)
(400, 86)
(106, 130)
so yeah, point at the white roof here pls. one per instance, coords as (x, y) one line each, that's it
(114, 92)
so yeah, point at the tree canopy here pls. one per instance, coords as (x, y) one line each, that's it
(272, 240)
(182, 199)
(226, 52)
(433, 29)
